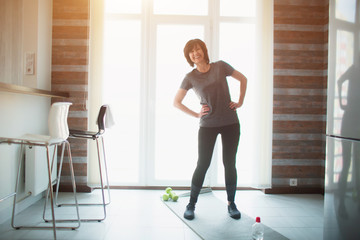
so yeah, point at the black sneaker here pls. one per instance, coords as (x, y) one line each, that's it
(189, 212)
(233, 211)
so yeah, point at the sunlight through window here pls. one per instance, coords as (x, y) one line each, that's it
(153, 143)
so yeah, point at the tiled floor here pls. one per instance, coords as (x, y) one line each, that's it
(139, 214)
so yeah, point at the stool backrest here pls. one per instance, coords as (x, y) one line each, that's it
(101, 119)
(57, 121)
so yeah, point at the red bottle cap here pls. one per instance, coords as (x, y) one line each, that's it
(257, 219)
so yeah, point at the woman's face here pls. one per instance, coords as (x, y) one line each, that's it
(197, 55)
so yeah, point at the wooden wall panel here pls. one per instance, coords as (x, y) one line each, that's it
(70, 60)
(300, 76)
(11, 25)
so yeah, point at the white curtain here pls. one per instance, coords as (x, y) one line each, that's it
(262, 167)
(95, 82)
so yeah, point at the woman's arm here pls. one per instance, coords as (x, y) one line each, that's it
(179, 97)
(243, 84)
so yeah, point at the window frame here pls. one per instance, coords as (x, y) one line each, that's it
(149, 21)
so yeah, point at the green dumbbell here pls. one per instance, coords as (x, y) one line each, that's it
(172, 194)
(165, 197)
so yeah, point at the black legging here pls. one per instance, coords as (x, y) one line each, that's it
(230, 135)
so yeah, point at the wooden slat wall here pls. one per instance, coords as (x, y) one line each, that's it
(300, 82)
(70, 64)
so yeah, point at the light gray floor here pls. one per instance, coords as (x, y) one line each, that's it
(139, 214)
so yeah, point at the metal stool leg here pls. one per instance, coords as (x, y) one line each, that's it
(101, 180)
(73, 183)
(104, 203)
(16, 189)
(59, 177)
(51, 191)
(52, 165)
(106, 171)
(22, 148)
(74, 190)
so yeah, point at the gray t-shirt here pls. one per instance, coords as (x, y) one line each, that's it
(213, 90)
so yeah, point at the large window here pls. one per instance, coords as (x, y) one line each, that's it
(154, 144)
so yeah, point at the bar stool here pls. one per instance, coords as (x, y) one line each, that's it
(58, 135)
(97, 136)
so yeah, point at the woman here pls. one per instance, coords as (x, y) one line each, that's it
(217, 116)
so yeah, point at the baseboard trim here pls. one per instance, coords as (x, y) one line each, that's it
(293, 190)
(274, 190)
(175, 188)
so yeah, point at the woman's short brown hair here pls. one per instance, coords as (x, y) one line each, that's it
(190, 46)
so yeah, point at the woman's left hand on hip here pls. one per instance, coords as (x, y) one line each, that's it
(234, 105)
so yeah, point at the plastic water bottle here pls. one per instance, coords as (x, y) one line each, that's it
(257, 231)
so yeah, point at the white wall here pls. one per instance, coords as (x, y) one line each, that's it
(19, 113)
